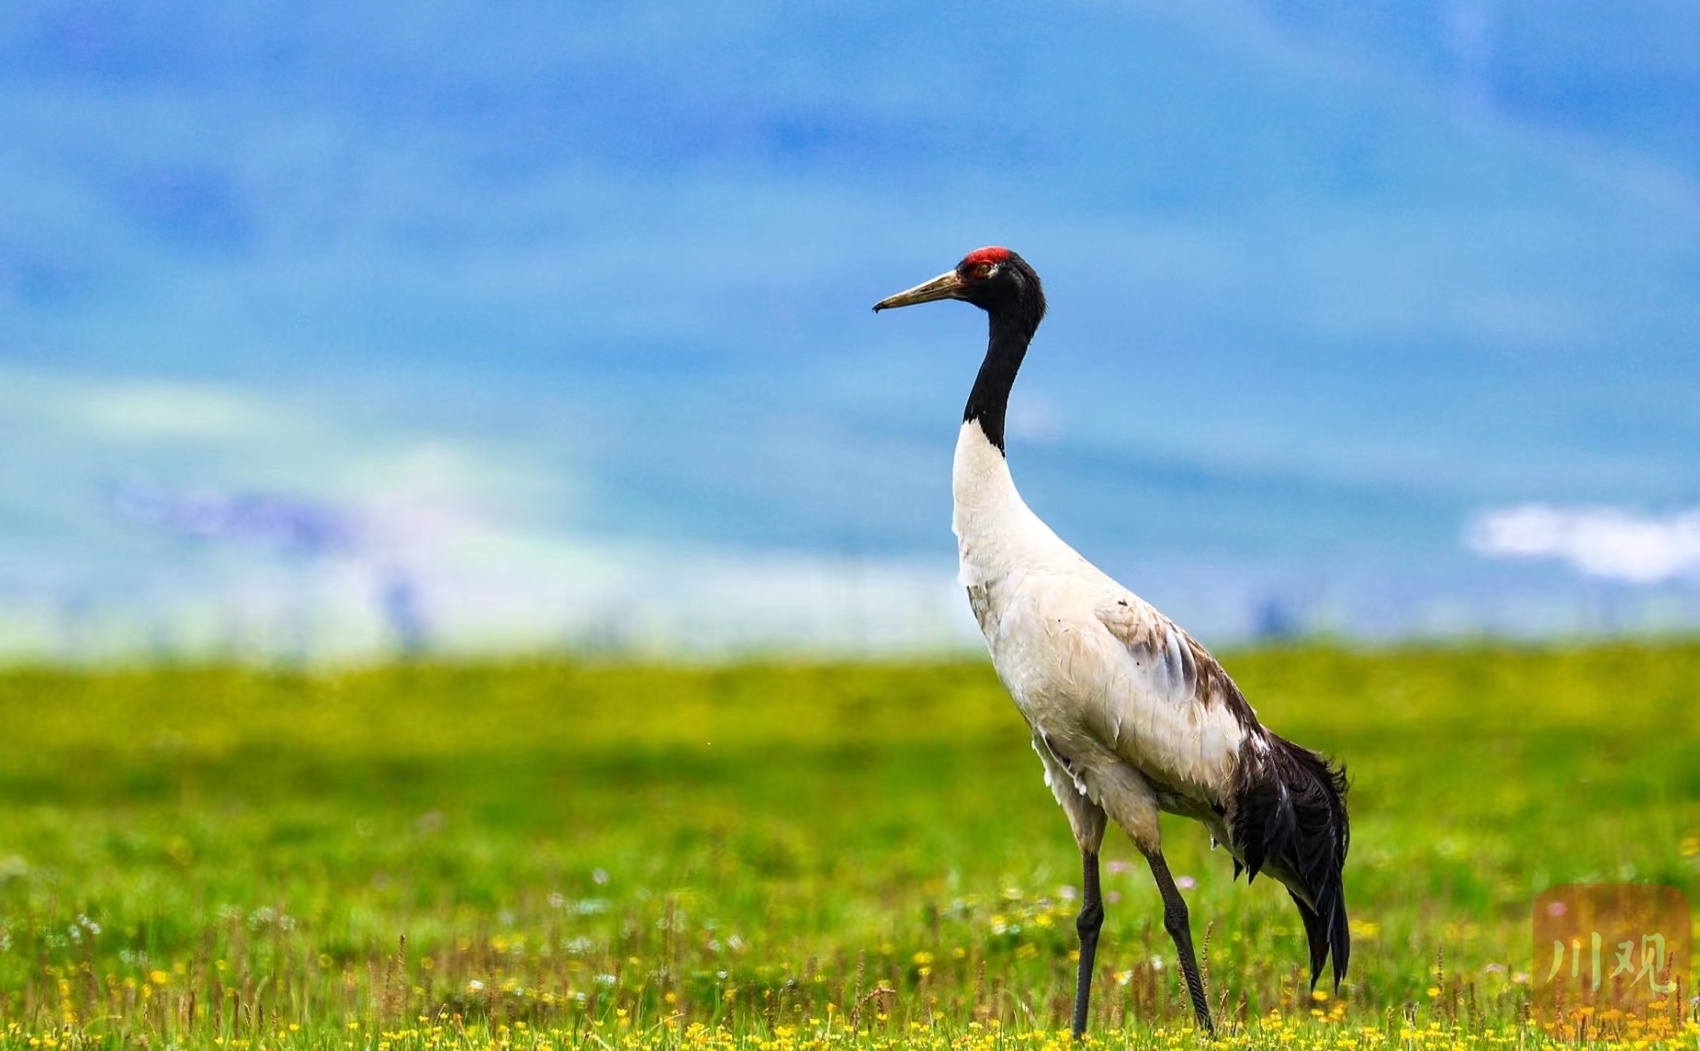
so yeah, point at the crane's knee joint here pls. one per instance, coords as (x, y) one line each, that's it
(1176, 921)
(1089, 921)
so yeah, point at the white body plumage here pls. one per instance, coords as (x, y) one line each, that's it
(1109, 686)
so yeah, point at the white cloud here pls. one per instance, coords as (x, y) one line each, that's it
(1610, 543)
(107, 408)
(119, 414)
(173, 410)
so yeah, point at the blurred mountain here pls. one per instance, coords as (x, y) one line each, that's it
(1327, 280)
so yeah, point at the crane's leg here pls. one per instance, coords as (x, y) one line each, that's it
(1179, 925)
(1088, 923)
(1086, 819)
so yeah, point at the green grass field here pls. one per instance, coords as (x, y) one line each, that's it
(783, 857)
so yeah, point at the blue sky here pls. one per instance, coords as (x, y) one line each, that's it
(562, 312)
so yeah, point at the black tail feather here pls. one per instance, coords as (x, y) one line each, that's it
(1342, 943)
(1332, 936)
(1289, 819)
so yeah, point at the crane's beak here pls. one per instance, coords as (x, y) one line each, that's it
(944, 286)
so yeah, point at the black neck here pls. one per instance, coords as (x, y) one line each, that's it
(1011, 331)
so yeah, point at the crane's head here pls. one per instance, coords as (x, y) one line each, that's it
(994, 279)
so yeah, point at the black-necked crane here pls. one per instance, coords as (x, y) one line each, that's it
(1130, 716)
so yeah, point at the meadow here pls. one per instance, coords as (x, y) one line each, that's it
(778, 857)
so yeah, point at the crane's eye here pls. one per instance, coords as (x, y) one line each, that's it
(980, 271)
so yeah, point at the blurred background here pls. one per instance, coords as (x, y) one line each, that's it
(334, 331)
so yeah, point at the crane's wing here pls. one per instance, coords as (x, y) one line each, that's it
(1171, 665)
(1169, 709)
